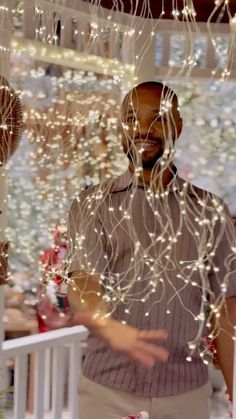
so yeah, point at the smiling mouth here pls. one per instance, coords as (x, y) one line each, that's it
(147, 143)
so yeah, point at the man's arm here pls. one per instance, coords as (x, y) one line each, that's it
(85, 293)
(225, 343)
(85, 297)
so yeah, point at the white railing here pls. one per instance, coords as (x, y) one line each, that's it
(48, 350)
(48, 370)
(127, 37)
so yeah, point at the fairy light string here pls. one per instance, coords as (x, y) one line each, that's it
(71, 136)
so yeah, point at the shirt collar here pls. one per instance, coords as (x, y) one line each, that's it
(122, 182)
(126, 180)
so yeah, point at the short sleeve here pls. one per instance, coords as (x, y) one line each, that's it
(223, 274)
(85, 234)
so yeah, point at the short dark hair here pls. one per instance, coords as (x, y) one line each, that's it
(159, 85)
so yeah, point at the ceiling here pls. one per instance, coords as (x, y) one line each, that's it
(203, 8)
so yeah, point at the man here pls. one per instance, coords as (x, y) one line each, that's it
(151, 253)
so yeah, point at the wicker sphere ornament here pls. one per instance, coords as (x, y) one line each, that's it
(11, 121)
(4, 247)
(11, 125)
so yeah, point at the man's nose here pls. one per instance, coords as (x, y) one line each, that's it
(145, 128)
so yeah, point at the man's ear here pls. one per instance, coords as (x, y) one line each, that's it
(179, 127)
(121, 127)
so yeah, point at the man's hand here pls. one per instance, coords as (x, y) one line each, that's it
(135, 344)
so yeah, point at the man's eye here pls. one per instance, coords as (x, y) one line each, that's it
(160, 119)
(131, 119)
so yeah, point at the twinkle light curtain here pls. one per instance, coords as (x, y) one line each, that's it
(71, 140)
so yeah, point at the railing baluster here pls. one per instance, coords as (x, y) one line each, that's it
(39, 384)
(20, 386)
(58, 382)
(74, 371)
(48, 381)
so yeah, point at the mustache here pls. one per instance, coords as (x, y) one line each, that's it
(147, 138)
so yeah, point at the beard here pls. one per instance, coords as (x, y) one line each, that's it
(148, 158)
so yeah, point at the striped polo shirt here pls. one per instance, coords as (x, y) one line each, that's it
(162, 259)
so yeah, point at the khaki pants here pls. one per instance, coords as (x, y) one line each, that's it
(100, 402)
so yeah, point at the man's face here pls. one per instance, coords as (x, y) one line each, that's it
(148, 120)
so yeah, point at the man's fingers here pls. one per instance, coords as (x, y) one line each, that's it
(153, 334)
(136, 345)
(157, 352)
(142, 357)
